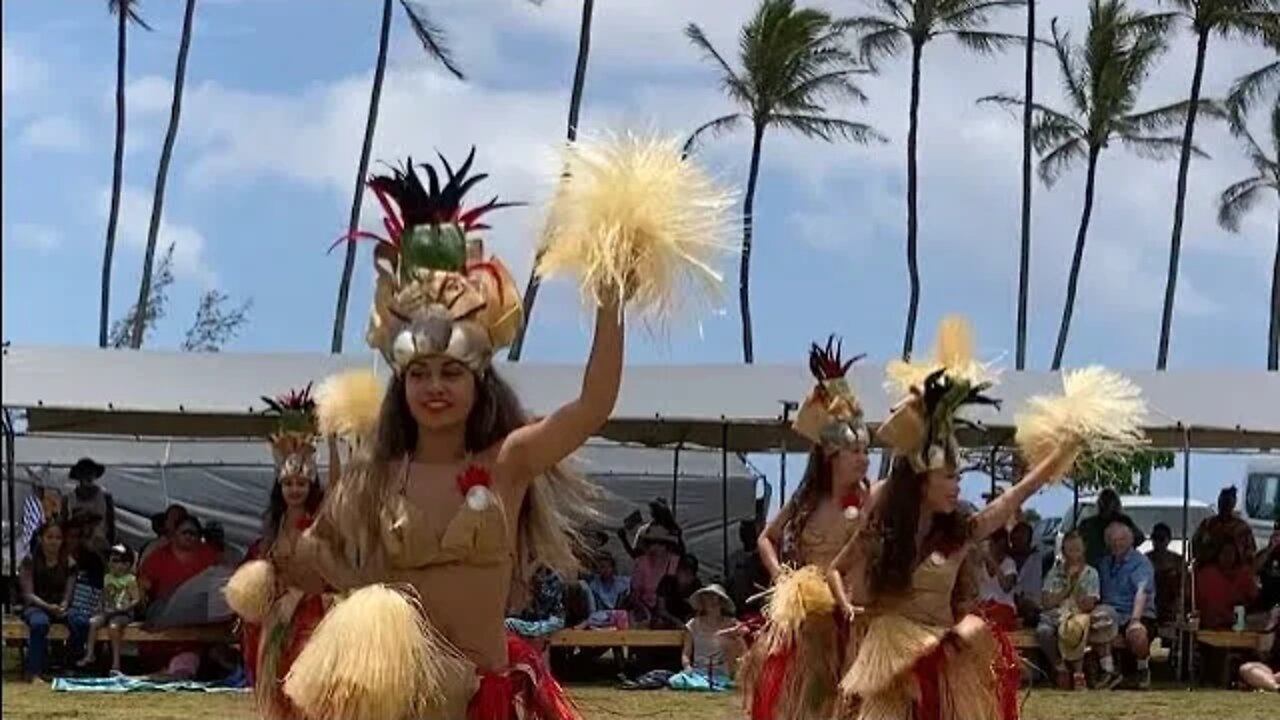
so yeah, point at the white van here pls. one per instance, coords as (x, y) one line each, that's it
(1262, 498)
(1146, 511)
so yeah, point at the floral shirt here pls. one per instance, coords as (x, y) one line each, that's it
(1084, 585)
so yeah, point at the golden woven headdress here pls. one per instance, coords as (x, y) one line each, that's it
(922, 425)
(436, 292)
(293, 442)
(831, 415)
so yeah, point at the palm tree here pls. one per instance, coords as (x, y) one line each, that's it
(162, 175)
(1241, 197)
(125, 12)
(1102, 79)
(1024, 251)
(915, 23)
(432, 37)
(1225, 18)
(571, 133)
(793, 61)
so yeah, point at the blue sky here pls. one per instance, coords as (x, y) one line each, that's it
(276, 96)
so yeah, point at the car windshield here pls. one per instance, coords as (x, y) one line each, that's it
(1147, 517)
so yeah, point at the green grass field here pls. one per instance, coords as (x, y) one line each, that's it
(28, 702)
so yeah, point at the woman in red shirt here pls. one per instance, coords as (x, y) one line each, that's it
(1223, 585)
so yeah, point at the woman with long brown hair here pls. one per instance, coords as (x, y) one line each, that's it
(909, 572)
(286, 616)
(793, 667)
(454, 496)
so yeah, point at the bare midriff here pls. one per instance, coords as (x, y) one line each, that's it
(467, 605)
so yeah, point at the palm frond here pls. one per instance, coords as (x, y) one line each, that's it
(1254, 24)
(130, 10)
(722, 124)
(431, 35)
(1173, 114)
(879, 38)
(1054, 163)
(1071, 80)
(1158, 148)
(833, 85)
(1237, 200)
(986, 42)
(969, 15)
(1251, 86)
(827, 128)
(1014, 102)
(739, 90)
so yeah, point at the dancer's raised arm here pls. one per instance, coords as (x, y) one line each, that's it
(537, 447)
(997, 514)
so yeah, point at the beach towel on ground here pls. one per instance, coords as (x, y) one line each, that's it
(123, 684)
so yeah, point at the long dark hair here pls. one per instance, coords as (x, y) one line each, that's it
(893, 524)
(814, 486)
(554, 508)
(277, 507)
(36, 546)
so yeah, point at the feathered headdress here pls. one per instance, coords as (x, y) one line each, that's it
(831, 415)
(436, 293)
(293, 442)
(922, 425)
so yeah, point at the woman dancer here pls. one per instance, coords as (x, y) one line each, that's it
(285, 616)
(794, 666)
(455, 498)
(924, 657)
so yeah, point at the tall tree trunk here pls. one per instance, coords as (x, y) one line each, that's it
(1024, 254)
(748, 223)
(162, 175)
(1074, 276)
(1273, 337)
(117, 179)
(366, 150)
(575, 107)
(1180, 202)
(913, 265)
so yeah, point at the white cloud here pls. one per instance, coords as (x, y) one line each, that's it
(56, 133)
(42, 238)
(135, 216)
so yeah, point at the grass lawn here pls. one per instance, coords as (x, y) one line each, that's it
(27, 702)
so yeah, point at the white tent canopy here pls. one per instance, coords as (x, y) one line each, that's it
(155, 393)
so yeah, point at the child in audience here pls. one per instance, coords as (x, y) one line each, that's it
(120, 599)
(712, 643)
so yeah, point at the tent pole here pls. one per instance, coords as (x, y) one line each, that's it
(675, 478)
(10, 500)
(1188, 648)
(995, 454)
(782, 462)
(724, 495)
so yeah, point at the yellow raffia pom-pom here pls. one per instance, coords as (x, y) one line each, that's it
(1099, 410)
(796, 595)
(251, 590)
(374, 656)
(348, 404)
(953, 349)
(633, 219)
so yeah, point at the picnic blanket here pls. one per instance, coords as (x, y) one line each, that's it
(125, 684)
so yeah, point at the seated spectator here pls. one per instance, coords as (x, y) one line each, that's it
(89, 497)
(176, 587)
(1223, 585)
(121, 597)
(608, 595)
(998, 576)
(1071, 593)
(164, 525)
(1093, 529)
(1224, 527)
(544, 614)
(215, 536)
(1267, 565)
(657, 562)
(747, 576)
(1260, 676)
(712, 643)
(1168, 566)
(43, 505)
(674, 593)
(1030, 562)
(47, 581)
(661, 517)
(1128, 602)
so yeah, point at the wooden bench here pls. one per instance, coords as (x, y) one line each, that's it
(1229, 639)
(1025, 639)
(15, 631)
(618, 638)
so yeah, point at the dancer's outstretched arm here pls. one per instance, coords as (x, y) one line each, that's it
(537, 447)
(997, 514)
